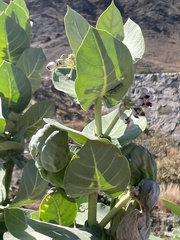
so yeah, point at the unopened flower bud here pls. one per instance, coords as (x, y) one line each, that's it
(51, 66)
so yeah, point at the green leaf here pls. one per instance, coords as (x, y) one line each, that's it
(55, 153)
(2, 183)
(19, 15)
(18, 229)
(22, 4)
(76, 28)
(15, 89)
(77, 136)
(2, 119)
(104, 69)
(62, 84)
(32, 186)
(111, 21)
(31, 62)
(57, 208)
(134, 40)
(13, 39)
(33, 118)
(121, 130)
(3, 6)
(60, 232)
(98, 166)
(174, 208)
(15, 147)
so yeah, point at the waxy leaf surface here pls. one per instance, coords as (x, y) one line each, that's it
(57, 208)
(76, 28)
(98, 166)
(61, 82)
(33, 118)
(13, 39)
(15, 89)
(19, 15)
(77, 136)
(15, 220)
(111, 21)
(31, 62)
(60, 232)
(32, 186)
(134, 40)
(104, 69)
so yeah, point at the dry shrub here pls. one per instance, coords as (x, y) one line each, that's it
(169, 192)
(167, 155)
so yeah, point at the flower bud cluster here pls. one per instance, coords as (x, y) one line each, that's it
(63, 62)
(138, 110)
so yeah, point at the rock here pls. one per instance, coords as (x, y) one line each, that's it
(164, 116)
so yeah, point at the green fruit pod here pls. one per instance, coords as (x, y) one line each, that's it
(55, 151)
(38, 140)
(141, 162)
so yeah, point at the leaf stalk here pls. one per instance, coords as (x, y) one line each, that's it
(98, 120)
(92, 208)
(112, 124)
(121, 203)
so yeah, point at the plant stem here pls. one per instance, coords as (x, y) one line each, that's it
(9, 166)
(121, 203)
(92, 208)
(98, 120)
(112, 124)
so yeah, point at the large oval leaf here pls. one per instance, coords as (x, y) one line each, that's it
(13, 39)
(31, 62)
(33, 118)
(111, 21)
(16, 224)
(57, 208)
(76, 28)
(32, 186)
(19, 15)
(77, 136)
(60, 232)
(104, 69)
(15, 87)
(134, 40)
(98, 166)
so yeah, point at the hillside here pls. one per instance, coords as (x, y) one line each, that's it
(158, 19)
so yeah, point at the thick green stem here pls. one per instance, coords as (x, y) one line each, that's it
(92, 208)
(9, 166)
(121, 203)
(98, 120)
(112, 124)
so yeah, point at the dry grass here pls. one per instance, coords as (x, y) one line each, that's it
(169, 192)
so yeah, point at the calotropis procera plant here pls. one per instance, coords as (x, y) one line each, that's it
(102, 158)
